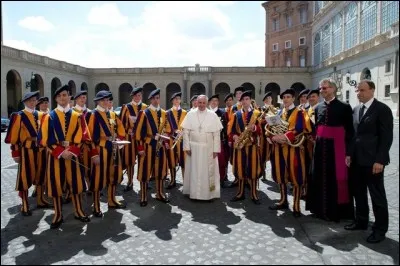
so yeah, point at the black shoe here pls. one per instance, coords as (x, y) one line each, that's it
(98, 214)
(276, 207)
(303, 197)
(171, 185)
(56, 224)
(296, 214)
(128, 188)
(27, 213)
(256, 201)
(44, 206)
(66, 201)
(375, 238)
(119, 206)
(143, 203)
(233, 184)
(234, 199)
(83, 219)
(164, 200)
(356, 226)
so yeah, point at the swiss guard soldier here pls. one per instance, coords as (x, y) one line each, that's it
(129, 115)
(287, 157)
(22, 135)
(303, 99)
(238, 94)
(80, 107)
(228, 117)
(42, 106)
(152, 132)
(265, 146)
(193, 102)
(62, 133)
(105, 127)
(223, 156)
(246, 157)
(175, 155)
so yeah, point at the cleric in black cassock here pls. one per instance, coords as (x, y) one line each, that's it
(328, 188)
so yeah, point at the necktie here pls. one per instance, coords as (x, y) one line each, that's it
(361, 113)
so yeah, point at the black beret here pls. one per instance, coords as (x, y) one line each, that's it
(194, 97)
(29, 95)
(288, 91)
(240, 88)
(79, 93)
(246, 93)
(102, 95)
(269, 93)
(61, 89)
(316, 91)
(216, 96)
(229, 95)
(136, 90)
(176, 94)
(306, 91)
(154, 93)
(42, 99)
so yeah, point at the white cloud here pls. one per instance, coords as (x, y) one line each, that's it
(107, 14)
(166, 34)
(36, 23)
(23, 45)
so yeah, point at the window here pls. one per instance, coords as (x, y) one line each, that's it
(337, 34)
(288, 62)
(317, 7)
(275, 24)
(387, 90)
(368, 20)
(302, 41)
(317, 49)
(388, 66)
(302, 60)
(350, 29)
(347, 96)
(326, 42)
(275, 47)
(303, 15)
(288, 44)
(390, 14)
(288, 21)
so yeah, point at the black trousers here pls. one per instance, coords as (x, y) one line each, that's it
(362, 181)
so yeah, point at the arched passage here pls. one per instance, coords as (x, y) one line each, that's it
(275, 89)
(84, 86)
(222, 89)
(101, 87)
(298, 87)
(125, 90)
(55, 84)
(72, 87)
(250, 87)
(14, 91)
(197, 89)
(171, 89)
(37, 84)
(147, 88)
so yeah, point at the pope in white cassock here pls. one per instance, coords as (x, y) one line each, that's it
(201, 143)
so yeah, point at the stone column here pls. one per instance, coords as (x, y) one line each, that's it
(185, 92)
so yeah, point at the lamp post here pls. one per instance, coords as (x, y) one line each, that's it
(350, 82)
(337, 77)
(31, 83)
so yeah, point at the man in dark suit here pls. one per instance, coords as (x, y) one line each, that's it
(373, 123)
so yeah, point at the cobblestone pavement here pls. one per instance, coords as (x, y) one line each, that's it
(190, 232)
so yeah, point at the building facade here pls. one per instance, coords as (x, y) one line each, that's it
(348, 40)
(23, 71)
(288, 33)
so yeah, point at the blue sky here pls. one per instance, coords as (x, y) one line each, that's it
(139, 34)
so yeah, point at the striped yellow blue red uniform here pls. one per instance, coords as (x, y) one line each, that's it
(151, 122)
(246, 161)
(309, 144)
(129, 115)
(22, 135)
(288, 162)
(175, 156)
(60, 131)
(102, 127)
